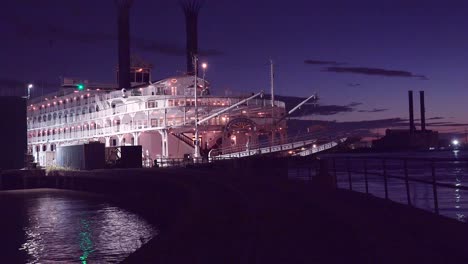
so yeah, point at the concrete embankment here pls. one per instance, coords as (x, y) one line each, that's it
(249, 212)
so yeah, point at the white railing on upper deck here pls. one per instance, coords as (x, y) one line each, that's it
(214, 102)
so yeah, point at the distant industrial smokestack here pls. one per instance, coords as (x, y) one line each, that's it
(123, 21)
(423, 111)
(411, 116)
(191, 9)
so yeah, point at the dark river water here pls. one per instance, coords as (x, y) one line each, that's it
(57, 226)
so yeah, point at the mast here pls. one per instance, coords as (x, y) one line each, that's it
(272, 91)
(195, 88)
(272, 82)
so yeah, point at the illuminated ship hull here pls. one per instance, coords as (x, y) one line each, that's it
(160, 117)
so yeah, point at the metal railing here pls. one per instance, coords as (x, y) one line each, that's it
(433, 172)
(239, 148)
(179, 162)
(309, 138)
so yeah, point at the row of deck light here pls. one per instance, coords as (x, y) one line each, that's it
(60, 101)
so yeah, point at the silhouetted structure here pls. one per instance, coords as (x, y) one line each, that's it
(123, 21)
(411, 112)
(423, 111)
(191, 9)
(399, 139)
(14, 135)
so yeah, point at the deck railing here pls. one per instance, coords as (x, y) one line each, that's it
(400, 179)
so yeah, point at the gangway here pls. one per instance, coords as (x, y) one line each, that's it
(316, 149)
(302, 147)
(260, 149)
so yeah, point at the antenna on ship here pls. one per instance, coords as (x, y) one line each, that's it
(272, 82)
(191, 10)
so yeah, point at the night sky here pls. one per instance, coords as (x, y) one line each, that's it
(361, 57)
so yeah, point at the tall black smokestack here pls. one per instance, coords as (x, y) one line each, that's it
(411, 116)
(123, 21)
(191, 9)
(423, 111)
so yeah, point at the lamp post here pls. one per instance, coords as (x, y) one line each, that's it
(204, 66)
(196, 154)
(30, 86)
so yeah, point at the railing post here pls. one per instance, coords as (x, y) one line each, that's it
(384, 168)
(408, 196)
(348, 166)
(324, 178)
(434, 188)
(365, 177)
(334, 173)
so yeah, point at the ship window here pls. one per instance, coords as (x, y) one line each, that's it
(152, 104)
(160, 90)
(170, 102)
(44, 147)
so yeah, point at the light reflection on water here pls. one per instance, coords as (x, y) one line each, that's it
(72, 227)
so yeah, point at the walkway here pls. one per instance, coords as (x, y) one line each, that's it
(249, 221)
(295, 146)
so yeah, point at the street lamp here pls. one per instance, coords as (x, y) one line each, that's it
(30, 86)
(204, 66)
(196, 153)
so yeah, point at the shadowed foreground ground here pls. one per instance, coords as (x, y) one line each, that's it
(239, 214)
(279, 221)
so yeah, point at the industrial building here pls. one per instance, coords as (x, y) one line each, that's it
(411, 139)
